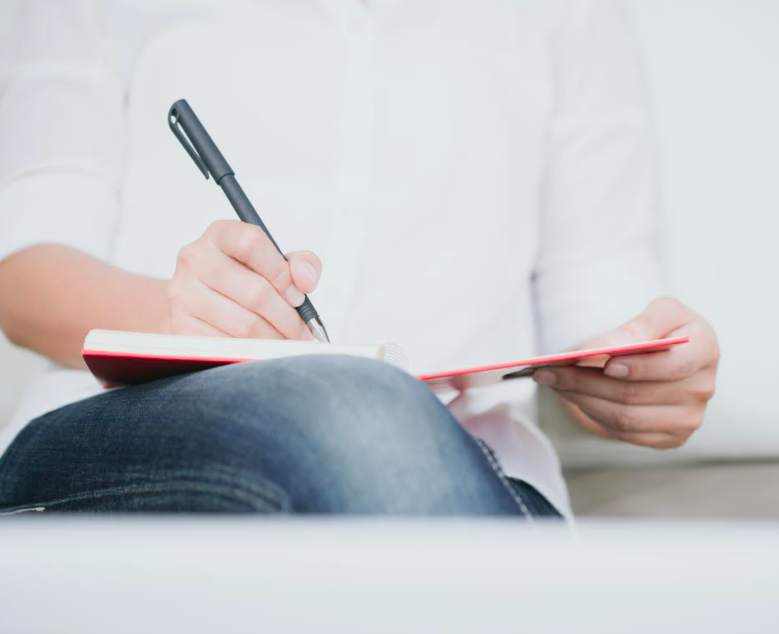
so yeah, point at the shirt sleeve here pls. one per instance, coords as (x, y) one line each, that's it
(61, 122)
(596, 265)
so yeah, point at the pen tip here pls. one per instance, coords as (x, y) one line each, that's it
(318, 330)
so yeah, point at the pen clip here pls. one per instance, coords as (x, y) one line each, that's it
(175, 126)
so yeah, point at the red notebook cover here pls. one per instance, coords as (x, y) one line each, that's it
(486, 375)
(115, 368)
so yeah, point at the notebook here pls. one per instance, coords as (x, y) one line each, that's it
(126, 358)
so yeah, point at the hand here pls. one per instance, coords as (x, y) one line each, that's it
(655, 399)
(232, 282)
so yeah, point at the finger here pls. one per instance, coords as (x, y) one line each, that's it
(656, 440)
(226, 315)
(657, 321)
(620, 418)
(661, 317)
(675, 364)
(593, 382)
(242, 285)
(189, 325)
(249, 244)
(306, 269)
(653, 440)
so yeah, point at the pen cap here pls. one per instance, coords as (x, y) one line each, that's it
(197, 141)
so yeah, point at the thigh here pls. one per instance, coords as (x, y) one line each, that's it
(308, 435)
(169, 445)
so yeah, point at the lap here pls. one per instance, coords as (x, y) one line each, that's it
(314, 434)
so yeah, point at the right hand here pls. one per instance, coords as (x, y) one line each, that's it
(232, 282)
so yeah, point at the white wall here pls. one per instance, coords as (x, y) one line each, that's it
(713, 68)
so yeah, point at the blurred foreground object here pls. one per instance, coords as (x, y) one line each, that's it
(244, 575)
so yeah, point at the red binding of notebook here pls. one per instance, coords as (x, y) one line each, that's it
(115, 368)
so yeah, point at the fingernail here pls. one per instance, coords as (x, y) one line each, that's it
(307, 336)
(294, 296)
(308, 268)
(545, 377)
(617, 371)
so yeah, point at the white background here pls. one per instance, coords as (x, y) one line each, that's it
(713, 69)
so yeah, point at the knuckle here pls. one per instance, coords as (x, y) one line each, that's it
(682, 370)
(279, 275)
(246, 328)
(666, 442)
(314, 260)
(214, 228)
(663, 443)
(716, 352)
(679, 370)
(637, 328)
(692, 423)
(260, 294)
(247, 243)
(630, 393)
(707, 391)
(569, 379)
(626, 420)
(633, 439)
(665, 302)
(673, 442)
(187, 257)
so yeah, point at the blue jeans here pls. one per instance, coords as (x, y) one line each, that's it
(304, 435)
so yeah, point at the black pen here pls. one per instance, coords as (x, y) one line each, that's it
(209, 159)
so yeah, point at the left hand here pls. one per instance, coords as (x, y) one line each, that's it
(654, 399)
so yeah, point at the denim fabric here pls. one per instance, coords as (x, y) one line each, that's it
(304, 435)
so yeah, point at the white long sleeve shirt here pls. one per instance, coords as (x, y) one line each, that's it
(476, 175)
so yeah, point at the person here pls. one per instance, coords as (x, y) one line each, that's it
(476, 177)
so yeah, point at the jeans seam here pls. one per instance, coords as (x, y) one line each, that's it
(488, 453)
(23, 509)
(258, 503)
(222, 476)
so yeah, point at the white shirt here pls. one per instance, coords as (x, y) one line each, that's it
(476, 175)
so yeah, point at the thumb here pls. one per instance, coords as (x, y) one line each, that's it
(658, 320)
(306, 269)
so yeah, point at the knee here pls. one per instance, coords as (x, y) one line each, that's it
(325, 385)
(361, 382)
(340, 396)
(373, 410)
(369, 393)
(336, 432)
(335, 408)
